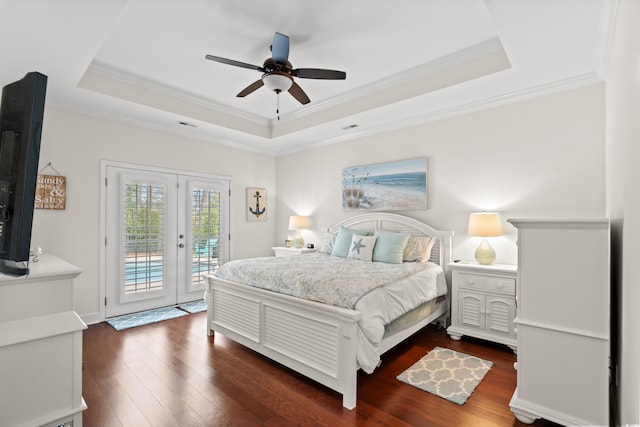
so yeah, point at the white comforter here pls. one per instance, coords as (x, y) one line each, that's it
(381, 292)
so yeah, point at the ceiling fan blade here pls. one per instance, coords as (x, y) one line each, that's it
(234, 63)
(296, 91)
(280, 48)
(252, 87)
(318, 73)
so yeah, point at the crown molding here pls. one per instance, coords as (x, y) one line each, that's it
(127, 120)
(470, 53)
(417, 119)
(414, 120)
(128, 77)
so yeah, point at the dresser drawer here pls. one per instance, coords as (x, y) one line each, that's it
(490, 283)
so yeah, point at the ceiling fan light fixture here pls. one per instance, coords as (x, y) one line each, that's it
(278, 73)
(277, 82)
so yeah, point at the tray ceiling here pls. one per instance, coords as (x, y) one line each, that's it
(410, 61)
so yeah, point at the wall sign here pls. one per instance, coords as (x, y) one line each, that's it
(51, 192)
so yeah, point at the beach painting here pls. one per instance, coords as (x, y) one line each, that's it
(399, 185)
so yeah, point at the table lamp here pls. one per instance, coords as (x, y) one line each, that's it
(485, 224)
(298, 222)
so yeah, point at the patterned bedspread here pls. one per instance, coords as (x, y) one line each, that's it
(318, 277)
(381, 292)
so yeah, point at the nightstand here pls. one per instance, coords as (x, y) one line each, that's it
(284, 251)
(483, 302)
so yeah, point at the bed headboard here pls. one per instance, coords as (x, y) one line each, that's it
(441, 252)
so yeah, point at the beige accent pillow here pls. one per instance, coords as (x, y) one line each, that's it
(418, 249)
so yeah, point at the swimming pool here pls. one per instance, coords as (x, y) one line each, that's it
(152, 270)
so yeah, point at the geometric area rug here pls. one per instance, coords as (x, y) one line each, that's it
(446, 373)
(145, 317)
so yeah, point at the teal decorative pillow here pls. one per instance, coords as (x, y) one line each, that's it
(390, 247)
(362, 247)
(343, 241)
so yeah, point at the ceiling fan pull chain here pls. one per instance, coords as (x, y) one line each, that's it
(278, 104)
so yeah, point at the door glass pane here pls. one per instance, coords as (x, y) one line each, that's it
(205, 232)
(143, 238)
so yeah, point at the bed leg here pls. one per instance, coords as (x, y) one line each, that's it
(207, 299)
(349, 366)
(349, 401)
(443, 321)
(350, 392)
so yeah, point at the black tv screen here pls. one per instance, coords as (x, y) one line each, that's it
(21, 113)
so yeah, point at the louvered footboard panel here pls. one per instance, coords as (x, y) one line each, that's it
(305, 339)
(238, 314)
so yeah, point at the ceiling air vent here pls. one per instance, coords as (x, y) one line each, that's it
(191, 125)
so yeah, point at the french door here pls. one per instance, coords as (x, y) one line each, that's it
(164, 233)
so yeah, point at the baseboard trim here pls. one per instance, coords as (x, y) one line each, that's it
(91, 318)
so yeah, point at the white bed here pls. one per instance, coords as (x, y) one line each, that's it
(289, 329)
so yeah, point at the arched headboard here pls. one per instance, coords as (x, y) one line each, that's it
(441, 252)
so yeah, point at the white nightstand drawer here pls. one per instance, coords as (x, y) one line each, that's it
(479, 281)
(471, 281)
(489, 283)
(508, 286)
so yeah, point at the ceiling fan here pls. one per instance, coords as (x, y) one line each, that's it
(278, 73)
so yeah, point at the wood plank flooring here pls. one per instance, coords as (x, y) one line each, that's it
(172, 374)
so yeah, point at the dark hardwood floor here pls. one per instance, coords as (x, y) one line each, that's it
(172, 374)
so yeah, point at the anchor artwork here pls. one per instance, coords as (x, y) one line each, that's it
(256, 204)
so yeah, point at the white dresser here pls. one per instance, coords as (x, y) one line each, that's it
(41, 347)
(562, 321)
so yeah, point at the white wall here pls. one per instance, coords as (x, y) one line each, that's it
(536, 158)
(75, 144)
(623, 198)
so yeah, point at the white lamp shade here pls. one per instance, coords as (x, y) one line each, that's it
(277, 82)
(485, 224)
(298, 222)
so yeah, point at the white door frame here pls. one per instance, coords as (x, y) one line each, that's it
(104, 164)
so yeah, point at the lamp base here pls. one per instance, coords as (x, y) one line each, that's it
(485, 254)
(298, 242)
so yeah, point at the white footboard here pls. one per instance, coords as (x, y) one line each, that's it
(316, 340)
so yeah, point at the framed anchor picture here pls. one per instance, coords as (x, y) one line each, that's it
(256, 204)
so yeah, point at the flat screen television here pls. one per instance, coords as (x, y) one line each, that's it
(21, 113)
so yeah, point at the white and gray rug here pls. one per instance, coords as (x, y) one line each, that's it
(447, 373)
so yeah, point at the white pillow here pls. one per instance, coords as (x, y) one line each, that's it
(362, 247)
(342, 244)
(418, 249)
(327, 243)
